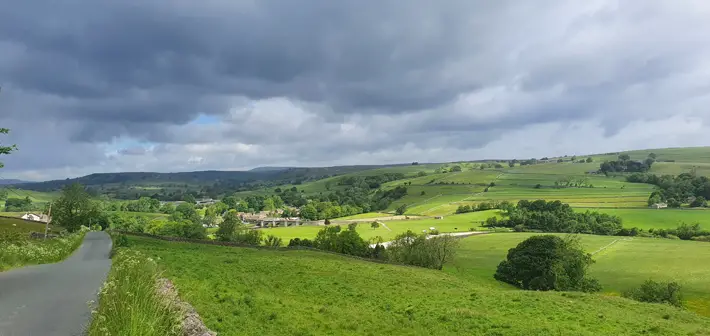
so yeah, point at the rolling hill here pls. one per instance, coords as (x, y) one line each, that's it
(315, 293)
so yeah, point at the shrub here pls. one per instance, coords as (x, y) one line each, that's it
(300, 242)
(548, 263)
(413, 249)
(248, 237)
(519, 228)
(657, 292)
(434, 232)
(272, 241)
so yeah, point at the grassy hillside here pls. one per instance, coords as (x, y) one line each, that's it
(624, 264)
(313, 293)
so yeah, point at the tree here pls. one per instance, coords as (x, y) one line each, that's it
(167, 208)
(73, 208)
(624, 157)
(415, 249)
(374, 225)
(657, 292)
(231, 202)
(401, 209)
(309, 212)
(548, 263)
(189, 199)
(589, 160)
(699, 202)
(652, 156)
(5, 150)
(269, 205)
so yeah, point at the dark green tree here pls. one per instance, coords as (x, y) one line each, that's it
(73, 208)
(401, 209)
(229, 225)
(548, 263)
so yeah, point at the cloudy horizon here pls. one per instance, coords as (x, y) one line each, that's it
(166, 86)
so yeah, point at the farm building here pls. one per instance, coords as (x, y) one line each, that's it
(34, 217)
(439, 217)
(659, 205)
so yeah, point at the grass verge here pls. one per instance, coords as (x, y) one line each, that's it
(22, 252)
(129, 302)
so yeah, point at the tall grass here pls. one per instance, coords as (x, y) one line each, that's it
(130, 303)
(17, 250)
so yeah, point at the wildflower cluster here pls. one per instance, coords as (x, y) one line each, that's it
(130, 303)
(16, 252)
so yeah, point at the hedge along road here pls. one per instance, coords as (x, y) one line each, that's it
(52, 299)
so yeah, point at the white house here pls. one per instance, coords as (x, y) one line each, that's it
(659, 205)
(34, 217)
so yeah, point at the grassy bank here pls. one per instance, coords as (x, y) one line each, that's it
(312, 293)
(622, 263)
(17, 250)
(129, 302)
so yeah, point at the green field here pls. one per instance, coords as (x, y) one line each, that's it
(35, 196)
(621, 266)
(366, 216)
(19, 224)
(659, 218)
(454, 223)
(313, 293)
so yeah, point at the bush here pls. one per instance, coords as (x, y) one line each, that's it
(657, 292)
(272, 241)
(413, 249)
(434, 232)
(548, 263)
(300, 242)
(248, 237)
(519, 228)
(342, 241)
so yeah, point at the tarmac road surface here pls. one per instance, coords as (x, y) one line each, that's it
(52, 299)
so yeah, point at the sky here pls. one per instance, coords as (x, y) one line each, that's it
(183, 85)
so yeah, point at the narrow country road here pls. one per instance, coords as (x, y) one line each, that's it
(51, 299)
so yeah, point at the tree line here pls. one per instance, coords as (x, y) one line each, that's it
(408, 248)
(554, 216)
(676, 190)
(624, 164)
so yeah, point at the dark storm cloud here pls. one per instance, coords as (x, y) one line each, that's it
(330, 79)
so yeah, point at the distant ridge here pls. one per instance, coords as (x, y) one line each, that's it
(270, 169)
(11, 181)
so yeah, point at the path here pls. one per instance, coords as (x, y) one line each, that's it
(51, 299)
(610, 244)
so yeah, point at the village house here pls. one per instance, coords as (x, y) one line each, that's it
(35, 217)
(659, 205)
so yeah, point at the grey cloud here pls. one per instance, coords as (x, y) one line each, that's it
(356, 77)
